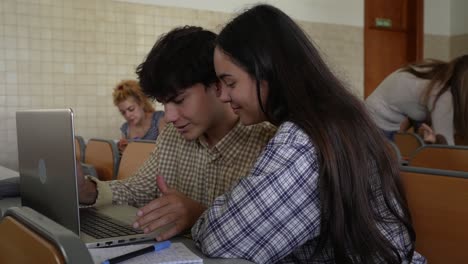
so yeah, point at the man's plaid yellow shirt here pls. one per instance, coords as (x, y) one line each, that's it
(192, 167)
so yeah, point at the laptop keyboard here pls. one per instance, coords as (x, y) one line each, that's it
(100, 226)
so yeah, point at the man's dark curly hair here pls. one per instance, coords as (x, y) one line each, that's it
(179, 59)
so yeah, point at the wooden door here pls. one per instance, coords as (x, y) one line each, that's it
(393, 37)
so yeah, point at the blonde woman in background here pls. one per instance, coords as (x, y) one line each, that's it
(142, 121)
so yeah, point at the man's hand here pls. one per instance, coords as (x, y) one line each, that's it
(86, 189)
(172, 207)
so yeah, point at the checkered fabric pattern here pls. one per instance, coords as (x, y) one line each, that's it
(191, 167)
(273, 215)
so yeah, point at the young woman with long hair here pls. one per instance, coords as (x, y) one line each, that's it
(326, 189)
(431, 90)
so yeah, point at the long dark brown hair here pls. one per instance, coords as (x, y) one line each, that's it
(354, 164)
(446, 76)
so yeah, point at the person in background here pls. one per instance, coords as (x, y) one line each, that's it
(424, 130)
(142, 121)
(202, 152)
(431, 90)
(326, 189)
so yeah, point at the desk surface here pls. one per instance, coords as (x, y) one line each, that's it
(16, 201)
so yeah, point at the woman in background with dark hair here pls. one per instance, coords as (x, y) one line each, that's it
(325, 189)
(424, 130)
(431, 90)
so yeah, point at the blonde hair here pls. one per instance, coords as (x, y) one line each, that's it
(131, 88)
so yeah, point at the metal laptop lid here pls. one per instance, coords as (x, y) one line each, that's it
(47, 165)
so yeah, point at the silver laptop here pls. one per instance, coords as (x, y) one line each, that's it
(47, 168)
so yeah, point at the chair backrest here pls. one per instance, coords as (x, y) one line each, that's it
(29, 237)
(394, 149)
(441, 157)
(89, 169)
(103, 155)
(80, 148)
(459, 140)
(134, 156)
(407, 143)
(438, 201)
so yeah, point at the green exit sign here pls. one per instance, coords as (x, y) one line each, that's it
(383, 22)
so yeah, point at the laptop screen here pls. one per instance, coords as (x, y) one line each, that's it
(47, 165)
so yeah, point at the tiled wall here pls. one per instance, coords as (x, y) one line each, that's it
(343, 48)
(70, 53)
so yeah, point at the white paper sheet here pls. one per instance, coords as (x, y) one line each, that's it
(178, 253)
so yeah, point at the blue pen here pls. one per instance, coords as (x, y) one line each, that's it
(156, 247)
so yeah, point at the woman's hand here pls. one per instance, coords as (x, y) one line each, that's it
(122, 144)
(428, 134)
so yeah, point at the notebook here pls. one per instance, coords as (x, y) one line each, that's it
(178, 253)
(47, 168)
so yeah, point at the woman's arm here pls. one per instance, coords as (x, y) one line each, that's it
(161, 124)
(442, 117)
(122, 144)
(405, 125)
(268, 214)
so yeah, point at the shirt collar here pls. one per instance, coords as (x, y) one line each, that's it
(227, 145)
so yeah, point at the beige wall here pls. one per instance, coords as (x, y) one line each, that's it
(70, 53)
(343, 48)
(437, 47)
(458, 45)
(444, 47)
(446, 29)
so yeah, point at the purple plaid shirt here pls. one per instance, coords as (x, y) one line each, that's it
(273, 215)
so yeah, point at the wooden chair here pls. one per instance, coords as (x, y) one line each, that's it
(408, 143)
(103, 155)
(134, 155)
(459, 140)
(441, 157)
(29, 237)
(438, 201)
(80, 147)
